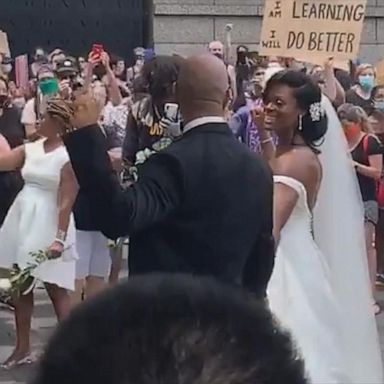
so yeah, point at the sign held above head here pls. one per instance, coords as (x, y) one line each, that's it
(312, 30)
(4, 44)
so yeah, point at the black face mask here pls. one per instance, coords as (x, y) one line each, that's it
(219, 56)
(241, 57)
(4, 101)
(39, 58)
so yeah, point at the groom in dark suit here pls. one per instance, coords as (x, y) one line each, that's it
(202, 206)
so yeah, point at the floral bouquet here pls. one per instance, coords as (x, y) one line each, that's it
(21, 281)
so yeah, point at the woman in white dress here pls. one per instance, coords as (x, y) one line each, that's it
(301, 291)
(40, 219)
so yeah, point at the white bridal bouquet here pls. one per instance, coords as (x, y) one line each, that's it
(21, 281)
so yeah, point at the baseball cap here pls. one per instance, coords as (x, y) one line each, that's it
(66, 66)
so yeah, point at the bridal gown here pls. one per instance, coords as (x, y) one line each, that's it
(32, 221)
(301, 298)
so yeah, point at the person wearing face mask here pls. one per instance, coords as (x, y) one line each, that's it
(135, 71)
(367, 155)
(361, 93)
(243, 67)
(6, 67)
(48, 87)
(16, 95)
(378, 98)
(40, 58)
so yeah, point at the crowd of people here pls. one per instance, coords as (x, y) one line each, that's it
(265, 173)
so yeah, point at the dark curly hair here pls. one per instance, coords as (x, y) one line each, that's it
(173, 329)
(160, 74)
(306, 93)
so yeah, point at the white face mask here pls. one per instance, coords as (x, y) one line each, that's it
(7, 68)
(19, 102)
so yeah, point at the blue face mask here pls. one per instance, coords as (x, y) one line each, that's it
(379, 105)
(367, 82)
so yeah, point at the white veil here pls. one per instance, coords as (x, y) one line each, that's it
(339, 233)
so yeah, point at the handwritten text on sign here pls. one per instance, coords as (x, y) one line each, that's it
(308, 29)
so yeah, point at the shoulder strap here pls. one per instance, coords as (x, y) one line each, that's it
(366, 143)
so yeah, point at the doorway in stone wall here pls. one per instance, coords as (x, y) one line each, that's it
(74, 25)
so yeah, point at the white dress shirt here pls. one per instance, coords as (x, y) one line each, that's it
(203, 120)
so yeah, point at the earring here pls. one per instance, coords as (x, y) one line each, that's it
(300, 122)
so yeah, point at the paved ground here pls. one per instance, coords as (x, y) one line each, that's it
(42, 327)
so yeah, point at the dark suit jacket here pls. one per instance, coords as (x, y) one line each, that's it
(202, 206)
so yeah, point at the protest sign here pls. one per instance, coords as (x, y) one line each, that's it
(22, 71)
(4, 45)
(312, 30)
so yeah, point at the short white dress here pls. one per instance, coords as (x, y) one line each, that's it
(32, 221)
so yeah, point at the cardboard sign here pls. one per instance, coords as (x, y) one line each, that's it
(22, 71)
(312, 30)
(4, 45)
(380, 73)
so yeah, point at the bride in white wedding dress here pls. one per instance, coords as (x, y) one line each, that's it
(305, 292)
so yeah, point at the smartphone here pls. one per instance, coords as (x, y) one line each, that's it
(171, 111)
(97, 50)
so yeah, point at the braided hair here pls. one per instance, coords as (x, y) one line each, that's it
(61, 110)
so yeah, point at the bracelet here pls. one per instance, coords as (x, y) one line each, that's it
(61, 235)
(60, 242)
(270, 139)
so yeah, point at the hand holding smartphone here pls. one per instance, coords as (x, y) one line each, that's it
(171, 111)
(95, 55)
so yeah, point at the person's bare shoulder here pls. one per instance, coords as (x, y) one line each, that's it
(300, 164)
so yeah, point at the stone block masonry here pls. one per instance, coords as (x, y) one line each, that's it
(185, 26)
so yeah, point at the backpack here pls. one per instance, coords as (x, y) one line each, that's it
(380, 183)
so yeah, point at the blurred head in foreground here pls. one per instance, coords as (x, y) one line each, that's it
(172, 329)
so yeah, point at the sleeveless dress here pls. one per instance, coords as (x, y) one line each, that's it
(301, 297)
(31, 223)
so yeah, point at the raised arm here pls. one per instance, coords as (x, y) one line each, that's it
(121, 212)
(113, 86)
(11, 160)
(332, 88)
(4, 146)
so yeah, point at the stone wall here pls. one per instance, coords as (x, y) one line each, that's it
(185, 26)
